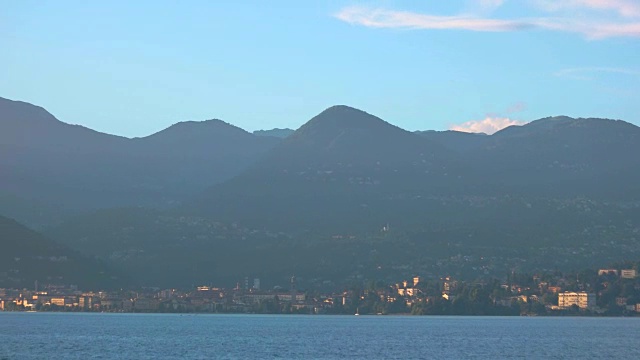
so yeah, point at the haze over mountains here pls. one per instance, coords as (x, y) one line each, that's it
(345, 166)
(27, 257)
(69, 168)
(208, 200)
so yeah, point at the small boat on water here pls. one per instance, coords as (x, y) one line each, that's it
(357, 312)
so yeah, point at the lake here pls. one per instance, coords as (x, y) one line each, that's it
(174, 336)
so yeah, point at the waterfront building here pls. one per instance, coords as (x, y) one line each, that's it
(583, 300)
(628, 274)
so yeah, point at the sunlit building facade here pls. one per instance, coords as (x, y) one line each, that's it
(583, 300)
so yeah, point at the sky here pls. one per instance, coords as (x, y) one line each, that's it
(133, 68)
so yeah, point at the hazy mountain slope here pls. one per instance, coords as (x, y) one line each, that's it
(44, 160)
(27, 256)
(30, 126)
(315, 205)
(188, 157)
(342, 167)
(346, 169)
(170, 250)
(502, 234)
(561, 156)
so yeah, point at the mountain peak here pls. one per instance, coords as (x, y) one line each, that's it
(342, 135)
(340, 119)
(342, 108)
(344, 116)
(205, 124)
(207, 129)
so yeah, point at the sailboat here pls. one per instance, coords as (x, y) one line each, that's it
(357, 312)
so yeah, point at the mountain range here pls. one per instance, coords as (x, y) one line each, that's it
(208, 200)
(61, 169)
(345, 167)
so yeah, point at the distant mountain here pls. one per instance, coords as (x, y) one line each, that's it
(349, 195)
(537, 126)
(344, 137)
(27, 256)
(279, 133)
(337, 168)
(188, 157)
(28, 126)
(346, 169)
(562, 156)
(73, 168)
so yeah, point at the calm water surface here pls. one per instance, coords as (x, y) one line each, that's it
(170, 336)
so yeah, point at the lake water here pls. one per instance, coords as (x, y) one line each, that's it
(171, 336)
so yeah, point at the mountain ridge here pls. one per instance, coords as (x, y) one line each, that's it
(74, 168)
(4, 110)
(322, 195)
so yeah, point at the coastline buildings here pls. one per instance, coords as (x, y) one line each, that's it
(604, 272)
(538, 294)
(628, 274)
(583, 300)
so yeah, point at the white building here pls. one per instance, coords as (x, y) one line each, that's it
(628, 274)
(607, 272)
(582, 299)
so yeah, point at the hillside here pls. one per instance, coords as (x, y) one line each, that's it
(465, 237)
(562, 156)
(345, 196)
(74, 169)
(28, 256)
(342, 169)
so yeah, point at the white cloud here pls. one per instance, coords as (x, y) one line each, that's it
(382, 18)
(626, 8)
(488, 125)
(592, 28)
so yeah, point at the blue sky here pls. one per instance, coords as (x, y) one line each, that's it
(135, 67)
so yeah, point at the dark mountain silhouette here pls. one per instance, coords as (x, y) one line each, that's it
(279, 133)
(535, 127)
(315, 202)
(28, 256)
(562, 156)
(344, 167)
(72, 168)
(28, 126)
(456, 140)
(188, 157)
(349, 140)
